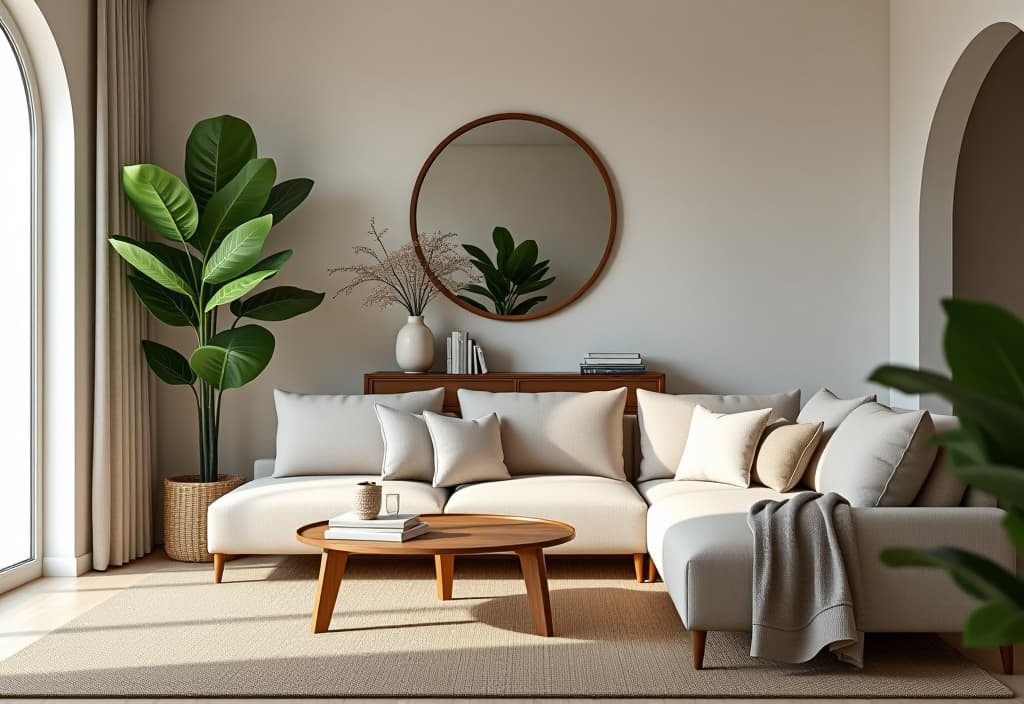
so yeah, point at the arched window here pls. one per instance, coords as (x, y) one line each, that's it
(19, 524)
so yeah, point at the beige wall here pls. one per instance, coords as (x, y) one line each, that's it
(988, 210)
(748, 142)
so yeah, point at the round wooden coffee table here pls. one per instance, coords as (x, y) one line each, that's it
(450, 535)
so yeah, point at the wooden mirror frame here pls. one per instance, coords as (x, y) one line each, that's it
(612, 212)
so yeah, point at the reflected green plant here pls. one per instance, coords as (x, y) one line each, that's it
(514, 273)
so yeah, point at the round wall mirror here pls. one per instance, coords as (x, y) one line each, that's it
(528, 210)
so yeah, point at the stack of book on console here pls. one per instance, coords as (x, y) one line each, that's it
(464, 355)
(613, 363)
(395, 529)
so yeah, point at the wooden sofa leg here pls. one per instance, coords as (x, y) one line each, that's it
(697, 641)
(652, 571)
(1006, 653)
(218, 567)
(640, 565)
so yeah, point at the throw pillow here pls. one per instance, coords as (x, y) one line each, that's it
(466, 451)
(556, 433)
(408, 452)
(879, 457)
(784, 453)
(942, 487)
(720, 447)
(665, 423)
(830, 410)
(320, 434)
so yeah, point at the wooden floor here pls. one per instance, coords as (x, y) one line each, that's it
(30, 612)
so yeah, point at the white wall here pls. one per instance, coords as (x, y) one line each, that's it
(748, 142)
(988, 210)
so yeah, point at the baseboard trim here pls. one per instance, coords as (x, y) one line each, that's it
(67, 566)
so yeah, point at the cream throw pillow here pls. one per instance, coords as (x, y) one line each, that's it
(879, 457)
(665, 422)
(408, 451)
(784, 453)
(720, 446)
(466, 451)
(556, 433)
(338, 434)
(826, 408)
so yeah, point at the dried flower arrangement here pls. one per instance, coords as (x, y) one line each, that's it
(398, 277)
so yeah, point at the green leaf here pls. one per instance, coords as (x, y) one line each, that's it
(473, 302)
(234, 357)
(286, 197)
(240, 201)
(963, 446)
(145, 261)
(479, 290)
(994, 624)
(161, 200)
(984, 347)
(505, 245)
(978, 575)
(1013, 522)
(531, 286)
(215, 152)
(239, 250)
(523, 307)
(168, 364)
(237, 288)
(181, 262)
(168, 307)
(272, 263)
(478, 253)
(1005, 482)
(521, 261)
(278, 303)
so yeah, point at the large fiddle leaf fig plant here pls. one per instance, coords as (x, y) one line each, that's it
(216, 228)
(984, 347)
(514, 273)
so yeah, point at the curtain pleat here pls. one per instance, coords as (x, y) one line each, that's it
(123, 452)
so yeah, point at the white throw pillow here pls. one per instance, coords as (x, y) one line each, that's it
(665, 422)
(320, 434)
(466, 451)
(878, 456)
(829, 410)
(408, 451)
(720, 446)
(556, 433)
(942, 487)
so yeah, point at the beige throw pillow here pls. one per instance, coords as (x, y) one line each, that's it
(408, 451)
(784, 453)
(879, 457)
(665, 422)
(466, 451)
(720, 446)
(830, 410)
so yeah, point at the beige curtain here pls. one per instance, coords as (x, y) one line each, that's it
(122, 466)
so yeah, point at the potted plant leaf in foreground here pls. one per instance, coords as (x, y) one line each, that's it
(984, 347)
(216, 227)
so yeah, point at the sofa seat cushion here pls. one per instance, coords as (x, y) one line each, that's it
(658, 489)
(608, 515)
(261, 517)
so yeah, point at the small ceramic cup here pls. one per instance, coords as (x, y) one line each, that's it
(366, 502)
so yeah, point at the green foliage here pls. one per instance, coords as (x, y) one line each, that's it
(984, 347)
(219, 224)
(514, 272)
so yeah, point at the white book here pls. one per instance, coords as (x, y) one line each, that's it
(401, 521)
(382, 536)
(480, 360)
(606, 355)
(455, 351)
(605, 361)
(448, 355)
(460, 367)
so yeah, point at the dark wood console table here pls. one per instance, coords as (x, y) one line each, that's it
(527, 382)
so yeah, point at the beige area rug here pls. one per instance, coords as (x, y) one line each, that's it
(178, 634)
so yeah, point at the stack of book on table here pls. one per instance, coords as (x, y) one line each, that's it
(613, 363)
(395, 529)
(464, 355)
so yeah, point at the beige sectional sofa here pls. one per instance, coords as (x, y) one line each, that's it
(695, 532)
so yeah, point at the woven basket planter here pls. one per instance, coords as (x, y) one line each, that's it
(185, 502)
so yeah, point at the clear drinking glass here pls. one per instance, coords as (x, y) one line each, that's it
(392, 502)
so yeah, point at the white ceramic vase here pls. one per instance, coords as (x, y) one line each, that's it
(414, 346)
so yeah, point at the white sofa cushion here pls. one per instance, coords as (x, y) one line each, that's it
(828, 409)
(556, 433)
(337, 434)
(261, 516)
(657, 489)
(466, 451)
(942, 487)
(785, 451)
(408, 451)
(665, 422)
(878, 456)
(609, 515)
(720, 446)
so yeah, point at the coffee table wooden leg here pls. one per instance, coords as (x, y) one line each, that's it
(444, 566)
(332, 569)
(535, 574)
